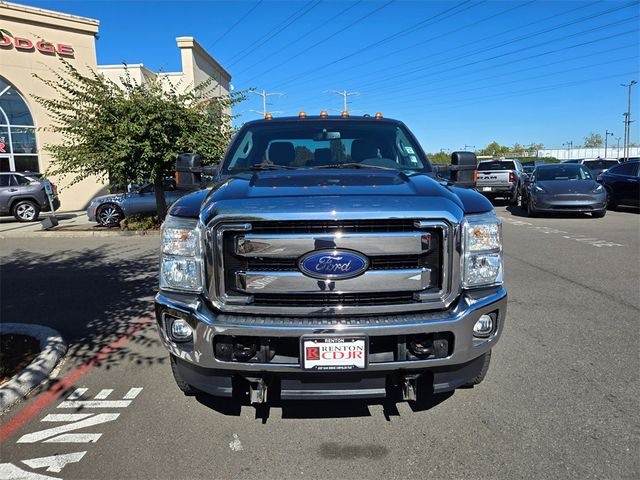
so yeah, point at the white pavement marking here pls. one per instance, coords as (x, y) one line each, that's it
(75, 438)
(103, 394)
(51, 432)
(9, 471)
(235, 445)
(132, 393)
(54, 463)
(95, 404)
(65, 417)
(595, 242)
(77, 393)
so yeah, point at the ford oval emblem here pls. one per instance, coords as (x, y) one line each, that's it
(333, 264)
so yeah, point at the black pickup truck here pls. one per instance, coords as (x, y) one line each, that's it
(328, 260)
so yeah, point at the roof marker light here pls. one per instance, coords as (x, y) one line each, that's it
(345, 114)
(324, 114)
(302, 115)
(268, 116)
(379, 115)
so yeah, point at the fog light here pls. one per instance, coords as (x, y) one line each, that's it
(483, 327)
(180, 330)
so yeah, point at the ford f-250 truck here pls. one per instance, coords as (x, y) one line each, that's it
(329, 261)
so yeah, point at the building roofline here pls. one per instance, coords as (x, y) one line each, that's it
(190, 42)
(80, 23)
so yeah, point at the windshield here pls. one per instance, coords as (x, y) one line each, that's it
(563, 172)
(600, 164)
(500, 165)
(323, 143)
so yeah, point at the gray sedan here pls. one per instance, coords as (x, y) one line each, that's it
(110, 210)
(566, 188)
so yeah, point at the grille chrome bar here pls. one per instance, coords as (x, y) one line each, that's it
(223, 263)
(293, 246)
(370, 281)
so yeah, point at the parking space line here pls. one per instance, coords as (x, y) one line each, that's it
(64, 384)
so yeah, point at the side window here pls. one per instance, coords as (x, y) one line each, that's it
(4, 180)
(625, 169)
(20, 180)
(241, 155)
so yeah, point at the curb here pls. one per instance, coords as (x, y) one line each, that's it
(52, 346)
(80, 234)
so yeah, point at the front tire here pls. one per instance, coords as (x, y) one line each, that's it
(477, 380)
(531, 212)
(514, 200)
(599, 214)
(187, 389)
(109, 215)
(26, 211)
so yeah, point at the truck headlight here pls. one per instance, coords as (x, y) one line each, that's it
(482, 244)
(181, 262)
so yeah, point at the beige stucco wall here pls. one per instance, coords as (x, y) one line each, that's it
(18, 67)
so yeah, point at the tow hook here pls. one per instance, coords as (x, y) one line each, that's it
(257, 390)
(410, 387)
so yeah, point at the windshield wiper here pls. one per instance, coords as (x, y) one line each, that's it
(259, 166)
(352, 165)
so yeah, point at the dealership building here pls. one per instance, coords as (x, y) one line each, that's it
(32, 42)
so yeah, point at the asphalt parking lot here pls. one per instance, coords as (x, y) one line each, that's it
(560, 400)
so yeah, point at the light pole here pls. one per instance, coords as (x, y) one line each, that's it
(570, 145)
(627, 121)
(606, 137)
(467, 146)
(264, 96)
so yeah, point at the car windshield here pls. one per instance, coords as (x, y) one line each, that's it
(500, 165)
(563, 172)
(600, 164)
(323, 144)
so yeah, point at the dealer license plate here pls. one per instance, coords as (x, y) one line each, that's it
(486, 189)
(334, 353)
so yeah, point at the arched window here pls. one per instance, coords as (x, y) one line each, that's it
(18, 149)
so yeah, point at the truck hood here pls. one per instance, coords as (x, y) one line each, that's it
(338, 193)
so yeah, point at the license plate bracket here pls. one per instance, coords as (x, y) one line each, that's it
(334, 352)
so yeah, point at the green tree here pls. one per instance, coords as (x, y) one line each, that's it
(495, 149)
(593, 140)
(440, 157)
(133, 132)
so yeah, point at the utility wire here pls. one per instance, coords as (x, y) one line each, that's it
(290, 20)
(240, 20)
(633, 31)
(310, 32)
(401, 33)
(502, 74)
(405, 73)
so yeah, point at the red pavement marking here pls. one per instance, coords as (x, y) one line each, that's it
(67, 382)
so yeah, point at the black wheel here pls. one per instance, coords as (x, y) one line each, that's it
(523, 202)
(477, 380)
(187, 389)
(109, 215)
(26, 211)
(599, 214)
(531, 212)
(611, 204)
(514, 200)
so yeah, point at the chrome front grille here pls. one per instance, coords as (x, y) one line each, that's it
(255, 266)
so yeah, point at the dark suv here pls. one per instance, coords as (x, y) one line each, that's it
(22, 195)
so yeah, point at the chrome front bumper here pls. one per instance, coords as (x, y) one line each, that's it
(206, 324)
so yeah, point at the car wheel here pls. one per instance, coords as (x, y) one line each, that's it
(523, 202)
(477, 380)
(611, 204)
(187, 389)
(26, 211)
(531, 212)
(514, 200)
(109, 215)
(599, 214)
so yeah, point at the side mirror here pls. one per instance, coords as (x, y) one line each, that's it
(188, 171)
(464, 169)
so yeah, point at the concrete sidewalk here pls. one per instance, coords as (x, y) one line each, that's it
(70, 224)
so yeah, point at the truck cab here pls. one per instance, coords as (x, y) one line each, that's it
(328, 260)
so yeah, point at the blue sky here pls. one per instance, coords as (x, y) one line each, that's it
(456, 72)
